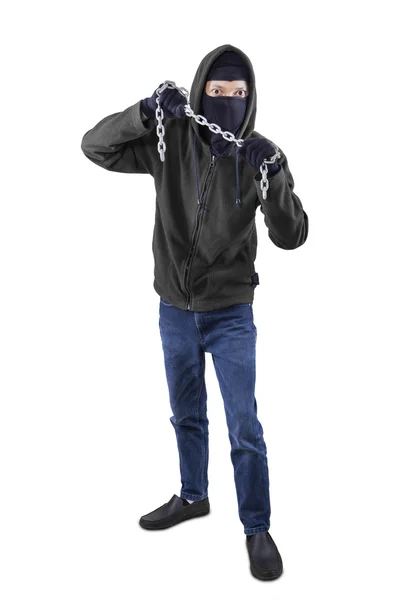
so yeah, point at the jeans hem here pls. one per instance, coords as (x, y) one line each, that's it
(192, 496)
(251, 530)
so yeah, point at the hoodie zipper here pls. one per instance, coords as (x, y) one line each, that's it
(197, 230)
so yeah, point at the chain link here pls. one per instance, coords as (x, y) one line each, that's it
(162, 147)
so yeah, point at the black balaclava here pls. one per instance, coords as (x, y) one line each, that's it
(226, 111)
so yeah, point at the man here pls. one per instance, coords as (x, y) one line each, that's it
(204, 246)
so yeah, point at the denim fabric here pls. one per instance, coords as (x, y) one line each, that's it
(229, 335)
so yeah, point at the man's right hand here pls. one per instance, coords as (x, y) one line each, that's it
(171, 101)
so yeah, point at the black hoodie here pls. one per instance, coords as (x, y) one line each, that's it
(205, 237)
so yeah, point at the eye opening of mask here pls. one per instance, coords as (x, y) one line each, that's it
(238, 88)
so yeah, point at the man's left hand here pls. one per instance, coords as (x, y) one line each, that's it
(254, 150)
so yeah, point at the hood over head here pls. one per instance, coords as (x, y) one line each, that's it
(229, 67)
(205, 69)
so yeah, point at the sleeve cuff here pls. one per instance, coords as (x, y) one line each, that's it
(141, 125)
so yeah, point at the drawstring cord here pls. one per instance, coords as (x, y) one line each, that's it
(238, 201)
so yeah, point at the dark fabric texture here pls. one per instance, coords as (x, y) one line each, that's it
(204, 256)
(229, 66)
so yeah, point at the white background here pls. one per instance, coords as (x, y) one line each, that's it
(86, 442)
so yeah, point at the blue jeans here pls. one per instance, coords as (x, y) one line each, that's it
(230, 335)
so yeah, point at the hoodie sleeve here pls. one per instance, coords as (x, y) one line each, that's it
(120, 142)
(283, 212)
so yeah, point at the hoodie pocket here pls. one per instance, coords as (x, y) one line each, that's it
(231, 275)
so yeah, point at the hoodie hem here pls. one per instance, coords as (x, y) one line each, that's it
(210, 305)
(205, 305)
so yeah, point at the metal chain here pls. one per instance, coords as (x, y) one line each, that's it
(161, 146)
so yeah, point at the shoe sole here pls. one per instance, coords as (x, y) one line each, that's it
(169, 522)
(265, 576)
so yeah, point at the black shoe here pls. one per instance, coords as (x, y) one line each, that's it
(265, 560)
(174, 511)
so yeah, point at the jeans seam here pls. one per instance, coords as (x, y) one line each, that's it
(202, 429)
(259, 447)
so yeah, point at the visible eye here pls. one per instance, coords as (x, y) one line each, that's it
(243, 94)
(216, 90)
